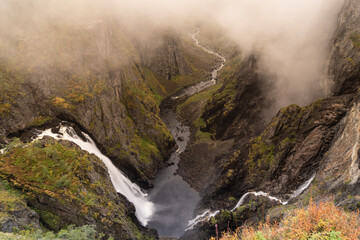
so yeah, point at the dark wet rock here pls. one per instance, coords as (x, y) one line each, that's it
(20, 217)
(236, 108)
(168, 164)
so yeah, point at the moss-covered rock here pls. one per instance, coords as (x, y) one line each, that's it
(65, 185)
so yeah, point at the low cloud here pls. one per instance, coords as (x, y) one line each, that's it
(290, 37)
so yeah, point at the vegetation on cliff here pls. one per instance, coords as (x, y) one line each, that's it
(316, 221)
(64, 186)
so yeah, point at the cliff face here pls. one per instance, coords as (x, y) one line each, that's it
(57, 185)
(235, 109)
(110, 86)
(321, 138)
(344, 60)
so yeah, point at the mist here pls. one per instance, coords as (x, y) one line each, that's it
(290, 38)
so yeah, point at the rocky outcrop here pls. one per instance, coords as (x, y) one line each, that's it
(167, 59)
(235, 110)
(340, 167)
(320, 138)
(14, 212)
(252, 211)
(65, 185)
(343, 68)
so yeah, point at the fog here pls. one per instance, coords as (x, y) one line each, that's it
(289, 37)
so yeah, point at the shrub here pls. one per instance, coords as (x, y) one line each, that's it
(316, 221)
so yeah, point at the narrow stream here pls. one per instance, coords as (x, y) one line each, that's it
(174, 199)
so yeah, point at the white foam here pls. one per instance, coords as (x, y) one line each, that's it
(206, 215)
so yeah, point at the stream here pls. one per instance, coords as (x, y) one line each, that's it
(174, 199)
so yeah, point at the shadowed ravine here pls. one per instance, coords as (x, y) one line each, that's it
(170, 205)
(174, 199)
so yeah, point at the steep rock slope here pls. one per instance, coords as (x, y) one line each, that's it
(320, 138)
(58, 184)
(110, 85)
(344, 61)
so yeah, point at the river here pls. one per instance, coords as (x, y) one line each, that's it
(173, 198)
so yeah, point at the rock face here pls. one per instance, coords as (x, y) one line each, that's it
(344, 61)
(117, 103)
(321, 138)
(340, 166)
(15, 214)
(235, 109)
(168, 60)
(64, 185)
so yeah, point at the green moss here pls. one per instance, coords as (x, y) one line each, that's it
(5, 108)
(39, 121)
(53, 169)
(147, 149)
(61, 103)
(67, 176)
(355, 38)
(10, 88)
(10, 199)
(352, 62)
(261, 152)
(50, 220)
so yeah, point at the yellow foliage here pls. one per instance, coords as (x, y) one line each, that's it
(316, 221)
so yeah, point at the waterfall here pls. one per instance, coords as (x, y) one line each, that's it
(144, 208)
(200, 218)
(207, 214)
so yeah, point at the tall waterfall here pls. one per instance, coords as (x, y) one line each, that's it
(144, 208)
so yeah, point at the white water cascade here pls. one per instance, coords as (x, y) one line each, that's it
(207, 214)
(144, 208)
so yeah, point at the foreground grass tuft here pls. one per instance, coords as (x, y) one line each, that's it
(316, 221)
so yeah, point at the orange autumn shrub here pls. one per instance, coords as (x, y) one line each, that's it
(323, 221)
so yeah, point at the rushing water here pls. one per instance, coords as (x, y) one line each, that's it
(207, 214)
(144, 208)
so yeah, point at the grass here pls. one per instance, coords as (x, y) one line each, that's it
(86, 232)
(260, 153)
(355, 38)
(39, 121)
(68, 176)
(316, 221)
(10, 88)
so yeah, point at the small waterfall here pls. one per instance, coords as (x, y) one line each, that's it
(200, 218)
(144, 208)
(260, 193)
(207, 214)
(302, 188)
